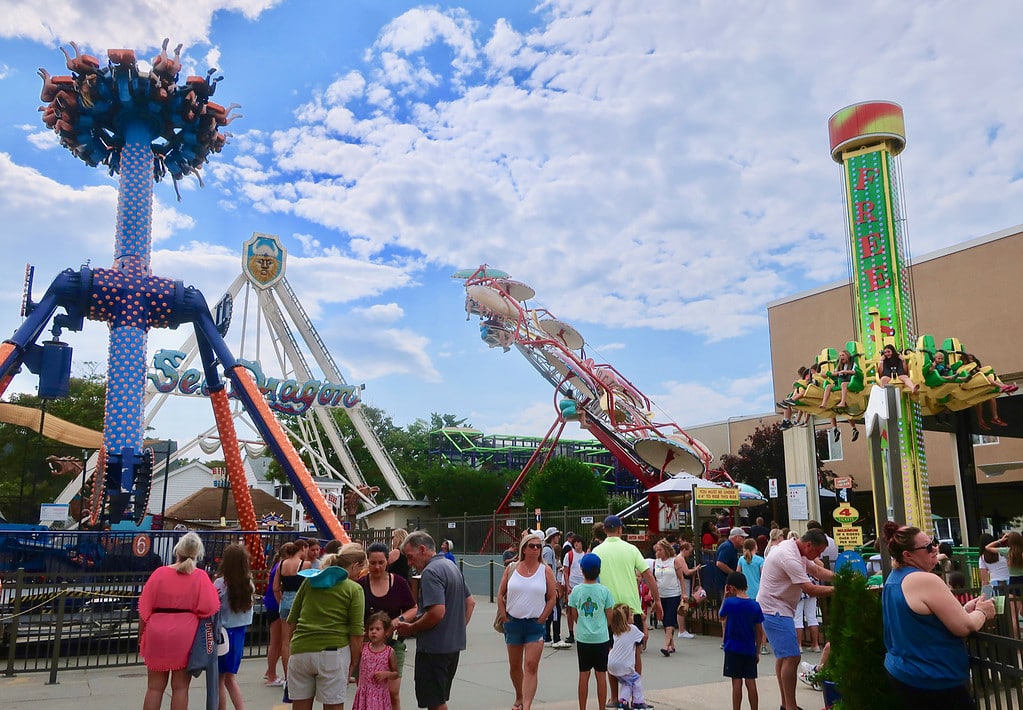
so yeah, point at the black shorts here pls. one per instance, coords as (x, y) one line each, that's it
(433, 677)
(739, 665)
(912, 698)
(592, 656)
(272, 615)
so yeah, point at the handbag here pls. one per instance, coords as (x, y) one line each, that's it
(498, 621)
(699, 594)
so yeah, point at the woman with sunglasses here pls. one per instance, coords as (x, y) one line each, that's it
(924, 626)
(525, 599)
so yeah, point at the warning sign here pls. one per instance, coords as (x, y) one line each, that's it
(844, 482)
(851, 536)
(716, 496)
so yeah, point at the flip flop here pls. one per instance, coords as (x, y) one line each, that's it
(665, 652)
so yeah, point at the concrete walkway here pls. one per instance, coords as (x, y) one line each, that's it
(689, 679)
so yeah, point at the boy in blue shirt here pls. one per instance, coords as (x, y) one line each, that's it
(744, 635)
(589, 609)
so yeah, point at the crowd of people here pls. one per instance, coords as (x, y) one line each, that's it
(343, 618)
(335, 620)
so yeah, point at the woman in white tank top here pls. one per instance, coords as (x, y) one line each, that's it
(524, 601)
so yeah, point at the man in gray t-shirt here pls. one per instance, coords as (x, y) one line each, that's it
(445, 607)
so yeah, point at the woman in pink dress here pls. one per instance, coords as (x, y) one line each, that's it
(173, 600)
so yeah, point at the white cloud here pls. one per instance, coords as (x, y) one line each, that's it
(97, 27)
(381, 313)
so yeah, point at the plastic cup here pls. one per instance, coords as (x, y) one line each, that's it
(999, 605)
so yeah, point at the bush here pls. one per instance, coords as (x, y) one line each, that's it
(565, 483)
(856, 632)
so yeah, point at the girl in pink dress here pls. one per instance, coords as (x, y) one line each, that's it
(377, 667)
(172, 602)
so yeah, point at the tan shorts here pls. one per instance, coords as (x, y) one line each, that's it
(322, 675)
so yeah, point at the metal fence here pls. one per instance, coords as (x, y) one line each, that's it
(491, 534)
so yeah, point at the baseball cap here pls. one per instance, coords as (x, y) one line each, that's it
(325, 577)
(589, 563)
(612, 522)
(550, 532)
(737, 531)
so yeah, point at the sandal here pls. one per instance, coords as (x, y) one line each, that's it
(998, 422)
(517, 706)
(665, 652)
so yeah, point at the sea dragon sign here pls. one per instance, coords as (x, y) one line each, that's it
(285, 396)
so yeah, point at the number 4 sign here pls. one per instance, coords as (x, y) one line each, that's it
(846, 514)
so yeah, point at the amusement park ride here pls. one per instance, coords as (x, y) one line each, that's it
(594, 394)
(866, 140)
(141, 125)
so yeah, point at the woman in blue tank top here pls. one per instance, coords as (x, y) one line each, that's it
(924, 626)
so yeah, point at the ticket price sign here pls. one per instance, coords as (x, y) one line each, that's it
(846, 514)
(851, 536)
(716, 496)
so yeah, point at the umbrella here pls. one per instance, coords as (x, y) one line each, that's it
(682, 483)
(750, 497)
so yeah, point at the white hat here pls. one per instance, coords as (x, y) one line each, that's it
(551, 532)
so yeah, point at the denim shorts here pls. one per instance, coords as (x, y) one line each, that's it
(781, 633)
(522, 631)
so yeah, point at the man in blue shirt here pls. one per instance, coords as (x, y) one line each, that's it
(728, 556)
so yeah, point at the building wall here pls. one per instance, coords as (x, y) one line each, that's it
(971, 292)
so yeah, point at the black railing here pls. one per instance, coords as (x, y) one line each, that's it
(995, 675)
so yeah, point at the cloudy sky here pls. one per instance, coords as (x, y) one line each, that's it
(658, 171)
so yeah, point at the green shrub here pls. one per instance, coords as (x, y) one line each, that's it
(856, 632)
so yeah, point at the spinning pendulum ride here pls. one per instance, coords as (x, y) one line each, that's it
(142, 125)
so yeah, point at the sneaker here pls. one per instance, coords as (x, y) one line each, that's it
(836, 433)
(807, 667)
(856, 434)
(685, 635)
(785, 424)
(815, 649)
(276, 683)
(570, 639)
(805, 679)
(548, 644)
(764, 651)
(561, 644)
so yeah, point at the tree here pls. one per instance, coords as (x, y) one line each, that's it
(563, 483)
(25, 480)
(455, 490)
(762, 456)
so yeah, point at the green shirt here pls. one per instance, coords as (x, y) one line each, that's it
(619, 563)
(590, 599)
(326, 618)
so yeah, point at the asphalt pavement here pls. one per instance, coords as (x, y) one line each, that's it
(690, 679)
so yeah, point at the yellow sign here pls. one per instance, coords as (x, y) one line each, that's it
(851, 536)
(716, 496)
(846, 514)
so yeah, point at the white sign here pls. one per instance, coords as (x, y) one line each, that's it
(772, 487)
(451, 526)
(510, 523)
(798, 506)
(52, 513)
(586, 519)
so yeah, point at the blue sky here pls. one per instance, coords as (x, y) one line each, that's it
(658, 171)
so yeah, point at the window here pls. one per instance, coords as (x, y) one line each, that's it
(984, 439)
(827, 448)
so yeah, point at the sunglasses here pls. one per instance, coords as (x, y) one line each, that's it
(929, 547)
(534, 546)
